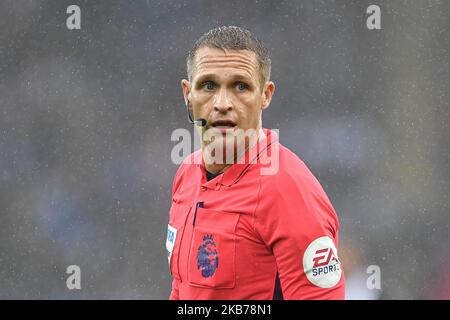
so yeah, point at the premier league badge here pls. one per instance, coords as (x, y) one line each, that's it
(207, 257)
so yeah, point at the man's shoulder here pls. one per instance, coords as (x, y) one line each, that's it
(292, 170)
(295, 183)
(185, 169)
(193, 159)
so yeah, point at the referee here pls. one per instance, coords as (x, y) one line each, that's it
(248, 219)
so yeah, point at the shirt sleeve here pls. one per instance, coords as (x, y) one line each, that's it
(174, 295)
(297, 222)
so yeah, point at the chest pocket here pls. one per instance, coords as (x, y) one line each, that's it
(175, 231)
(213, 249)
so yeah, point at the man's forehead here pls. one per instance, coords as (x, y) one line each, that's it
(211, 58)
(206, 53)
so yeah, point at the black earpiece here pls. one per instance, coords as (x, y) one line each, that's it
(200, 122)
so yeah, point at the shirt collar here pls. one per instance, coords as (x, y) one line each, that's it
(235, 171)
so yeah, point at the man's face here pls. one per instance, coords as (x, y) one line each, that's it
(225, 90)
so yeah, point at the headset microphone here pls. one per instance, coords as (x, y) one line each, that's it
(200, 122)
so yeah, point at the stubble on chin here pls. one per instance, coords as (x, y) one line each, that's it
(230, 148)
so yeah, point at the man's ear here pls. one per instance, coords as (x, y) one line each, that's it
(186, 87)
(268, 91)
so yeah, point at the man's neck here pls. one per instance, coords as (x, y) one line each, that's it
(220, 168)
(217, 168)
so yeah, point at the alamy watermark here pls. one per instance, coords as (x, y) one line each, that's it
(74, 20)
(74, 280)
(374, 280)
(374, 20)
(228, 147)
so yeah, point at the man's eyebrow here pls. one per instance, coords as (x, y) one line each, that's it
(204, 77)
(213, 76)
(242, 77)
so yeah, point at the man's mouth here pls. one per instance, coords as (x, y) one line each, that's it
(224, 124)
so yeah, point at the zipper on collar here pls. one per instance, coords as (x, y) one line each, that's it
(199, 204)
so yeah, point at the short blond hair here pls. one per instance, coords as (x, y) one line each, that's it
(232, 38)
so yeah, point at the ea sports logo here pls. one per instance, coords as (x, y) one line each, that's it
(321, 263)
(323, 257)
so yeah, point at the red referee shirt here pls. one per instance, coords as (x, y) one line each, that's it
(229, 237)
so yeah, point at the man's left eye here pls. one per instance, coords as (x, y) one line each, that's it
(241, 86)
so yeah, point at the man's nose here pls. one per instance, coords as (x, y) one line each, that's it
(222, 102)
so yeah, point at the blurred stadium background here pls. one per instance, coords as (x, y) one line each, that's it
(86, 117)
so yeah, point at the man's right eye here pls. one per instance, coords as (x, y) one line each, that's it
(209, 85)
